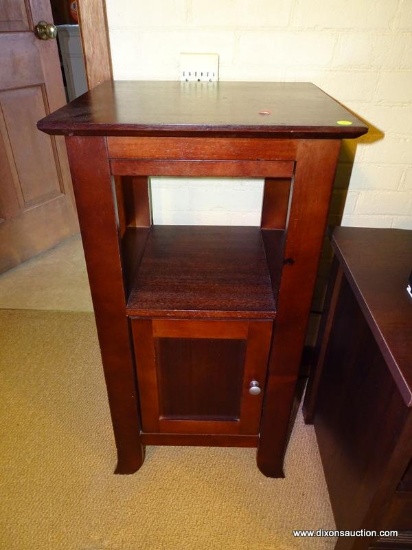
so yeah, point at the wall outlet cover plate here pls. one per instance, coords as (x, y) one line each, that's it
(199, 67)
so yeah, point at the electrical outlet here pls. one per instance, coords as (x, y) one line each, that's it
(199, 67)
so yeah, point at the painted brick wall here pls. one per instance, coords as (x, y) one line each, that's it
(360, 52)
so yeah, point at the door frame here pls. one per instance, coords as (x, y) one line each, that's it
(94, 32)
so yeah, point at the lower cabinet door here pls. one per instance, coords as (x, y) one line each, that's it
(201, 377)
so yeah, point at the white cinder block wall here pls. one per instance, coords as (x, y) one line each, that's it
(358, 51)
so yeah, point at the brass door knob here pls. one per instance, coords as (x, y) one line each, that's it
(46, 31)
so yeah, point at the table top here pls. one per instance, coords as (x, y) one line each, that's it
(261, 109)
(377, 264)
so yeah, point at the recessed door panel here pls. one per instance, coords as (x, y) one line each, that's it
(36, 161)
(13, 16)
(200, 378)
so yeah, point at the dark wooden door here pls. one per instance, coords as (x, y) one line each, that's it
(195, 376)
(36, 198)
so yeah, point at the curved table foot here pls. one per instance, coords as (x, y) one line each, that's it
(127, 465)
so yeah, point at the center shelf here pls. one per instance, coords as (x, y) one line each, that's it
(204, 271)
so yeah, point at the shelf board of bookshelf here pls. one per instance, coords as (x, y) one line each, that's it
(203, 271)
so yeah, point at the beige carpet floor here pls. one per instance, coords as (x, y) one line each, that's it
(55, 280)
(57, 489)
